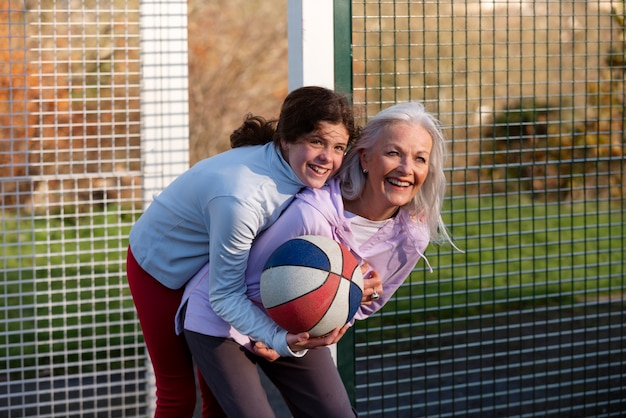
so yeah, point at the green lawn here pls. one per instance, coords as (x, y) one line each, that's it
(516, 255)
(66, 306)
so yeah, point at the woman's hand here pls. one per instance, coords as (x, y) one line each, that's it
(299, 342)
(303, 341)
(372, 286)
(264, 351)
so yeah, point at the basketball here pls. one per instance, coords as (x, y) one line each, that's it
(311, 284)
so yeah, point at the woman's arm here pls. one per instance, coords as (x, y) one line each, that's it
(234, 225)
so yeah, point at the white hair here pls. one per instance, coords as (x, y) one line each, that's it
(428, 201)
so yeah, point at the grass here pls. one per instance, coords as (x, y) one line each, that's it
(66, 307)
(517, 256)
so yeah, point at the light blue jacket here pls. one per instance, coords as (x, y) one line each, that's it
(213, 211)
(393, 252)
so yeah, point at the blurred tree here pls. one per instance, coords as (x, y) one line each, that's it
(237, 64)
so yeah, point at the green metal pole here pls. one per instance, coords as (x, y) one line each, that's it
(343, 84)
(343, 46)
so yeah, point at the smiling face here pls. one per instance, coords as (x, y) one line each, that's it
(397, 167)
(315, 156)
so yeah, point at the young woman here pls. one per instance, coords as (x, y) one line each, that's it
(213, 212)
(385, 206)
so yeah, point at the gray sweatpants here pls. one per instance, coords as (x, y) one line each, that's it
(310, 385)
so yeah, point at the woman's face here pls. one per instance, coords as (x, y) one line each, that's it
(397, 167)
(316, 156)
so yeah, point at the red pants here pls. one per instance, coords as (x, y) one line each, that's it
(172, 362)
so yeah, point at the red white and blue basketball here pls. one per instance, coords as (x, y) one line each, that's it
(311, 284)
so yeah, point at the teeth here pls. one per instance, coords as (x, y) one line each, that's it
(399, 183)
(319, 170)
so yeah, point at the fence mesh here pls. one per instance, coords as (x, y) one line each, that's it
(529, 319)
(70, 168)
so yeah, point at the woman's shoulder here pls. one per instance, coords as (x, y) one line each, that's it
(237, 156)
(412, 229)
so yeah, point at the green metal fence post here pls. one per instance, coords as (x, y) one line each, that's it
(343, 45)
(343, 83)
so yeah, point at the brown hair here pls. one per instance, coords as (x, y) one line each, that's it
(302, 110)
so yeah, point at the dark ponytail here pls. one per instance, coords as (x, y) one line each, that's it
(254, 130)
